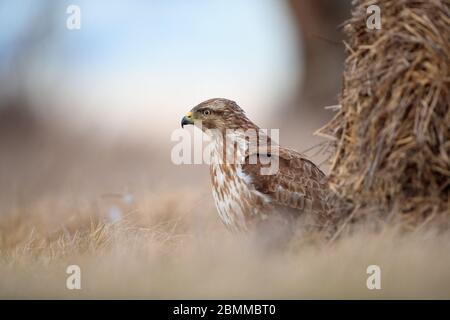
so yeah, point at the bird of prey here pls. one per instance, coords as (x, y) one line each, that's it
(244, 195)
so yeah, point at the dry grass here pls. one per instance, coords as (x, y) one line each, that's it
(393, 129)
(161, 251)
(170, 242)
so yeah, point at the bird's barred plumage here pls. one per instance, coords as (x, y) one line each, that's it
(245, 197)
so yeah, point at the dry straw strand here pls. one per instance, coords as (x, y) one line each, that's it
(392, 132)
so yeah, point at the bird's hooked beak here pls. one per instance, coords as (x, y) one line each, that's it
(187, 119)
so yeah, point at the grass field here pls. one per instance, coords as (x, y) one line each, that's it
(170, 242)
(174, 259)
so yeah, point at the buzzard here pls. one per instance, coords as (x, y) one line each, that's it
(245, 195)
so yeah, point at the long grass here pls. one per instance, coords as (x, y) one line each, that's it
(169, 242)
(179, 257)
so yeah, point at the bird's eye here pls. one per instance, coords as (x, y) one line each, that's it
(206, 112)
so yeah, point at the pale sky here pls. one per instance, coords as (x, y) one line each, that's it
(138, 62)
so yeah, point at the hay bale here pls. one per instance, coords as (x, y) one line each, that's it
(392, 132)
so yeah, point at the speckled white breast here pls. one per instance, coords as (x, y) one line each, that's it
(233, 191)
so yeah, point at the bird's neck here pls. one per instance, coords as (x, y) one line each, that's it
(231, 146)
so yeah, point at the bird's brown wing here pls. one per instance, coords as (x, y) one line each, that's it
(297, 184)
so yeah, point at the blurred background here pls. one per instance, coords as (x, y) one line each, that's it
(88, 112)
(86, 117)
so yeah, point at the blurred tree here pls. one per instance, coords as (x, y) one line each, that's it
(318, 22)
(16, 108)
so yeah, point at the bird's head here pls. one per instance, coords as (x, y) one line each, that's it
(220, 114)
